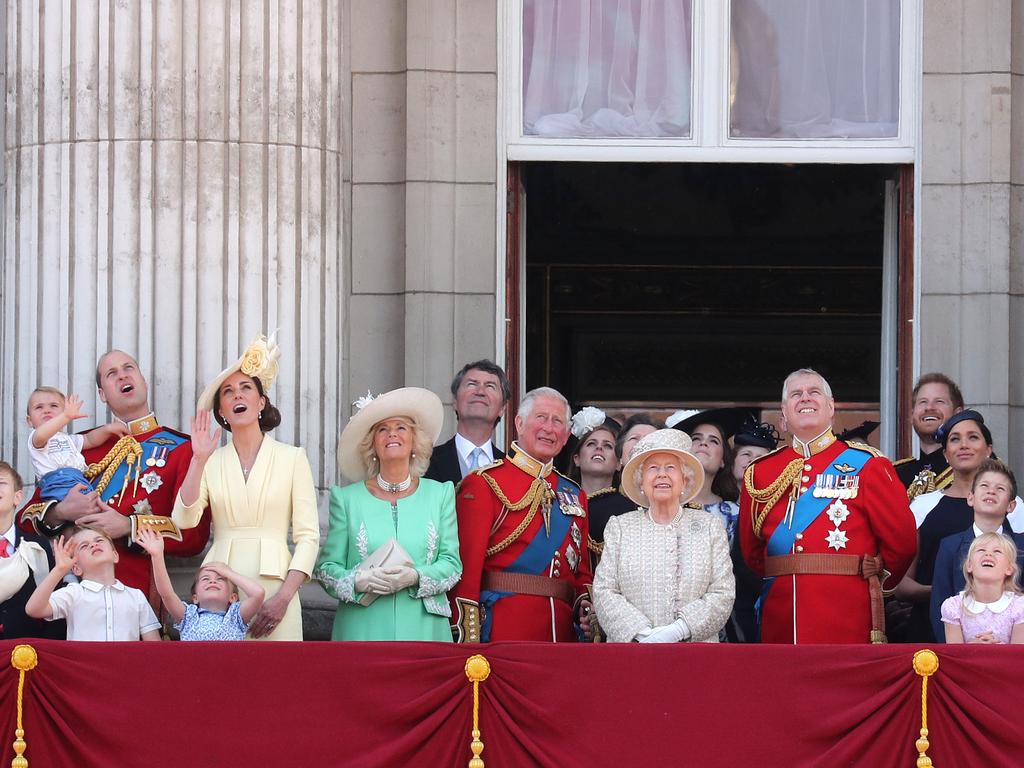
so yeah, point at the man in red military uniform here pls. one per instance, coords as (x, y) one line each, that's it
(523, 537)
(138, 482)
(819, 520)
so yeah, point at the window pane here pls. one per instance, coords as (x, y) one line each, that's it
(600, 68)
(814, 68)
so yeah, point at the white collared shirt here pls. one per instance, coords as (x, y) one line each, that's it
(100, 612)
(464, 448)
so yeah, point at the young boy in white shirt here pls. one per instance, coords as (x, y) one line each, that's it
(99, 607)
(57, 456)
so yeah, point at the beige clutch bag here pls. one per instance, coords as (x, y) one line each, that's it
(387, 555)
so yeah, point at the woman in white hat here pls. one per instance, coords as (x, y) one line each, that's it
(665, 575)
(392, 552)
(256, 488)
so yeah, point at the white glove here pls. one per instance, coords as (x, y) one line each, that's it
(399, 577)
(372, 580)
(676, 632)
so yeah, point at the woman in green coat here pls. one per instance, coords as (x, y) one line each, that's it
(392, 551)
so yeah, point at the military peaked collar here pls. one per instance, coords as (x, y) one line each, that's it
(815, 445)
(141, 425)
(527, 463)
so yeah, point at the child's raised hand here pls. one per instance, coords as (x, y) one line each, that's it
(65, 555)
(73, 405)
(117, 429)
(221, 569)
(150, 540)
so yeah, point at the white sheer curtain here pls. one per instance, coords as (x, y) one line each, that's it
(598, 68)
(815, 68)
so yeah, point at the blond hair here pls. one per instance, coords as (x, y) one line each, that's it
(422, 448)
(44, 390)
(1012, 582)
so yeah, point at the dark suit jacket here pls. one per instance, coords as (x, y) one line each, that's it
(444, 462)
(948, 579)
(13, 619)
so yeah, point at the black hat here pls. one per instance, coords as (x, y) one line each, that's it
(729, 420)
(942, 433)
(860, 432)
(754, 433)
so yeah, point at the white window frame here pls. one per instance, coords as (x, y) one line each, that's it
(709, 107)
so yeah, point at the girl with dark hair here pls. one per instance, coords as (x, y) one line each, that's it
(256, 488)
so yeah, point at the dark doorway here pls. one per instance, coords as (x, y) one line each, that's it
(699, 284)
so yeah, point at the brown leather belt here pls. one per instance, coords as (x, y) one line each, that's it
(528, 584)
(867, 567)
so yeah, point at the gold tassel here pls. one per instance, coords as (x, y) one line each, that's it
(926, 664)
(23, 658)
(477, 670)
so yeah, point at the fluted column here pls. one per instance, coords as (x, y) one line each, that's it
(173, 187)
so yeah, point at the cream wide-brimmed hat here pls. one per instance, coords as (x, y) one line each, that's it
(420, 405)
(662, 441)
(258, 361)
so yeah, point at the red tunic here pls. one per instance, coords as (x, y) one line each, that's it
(484, 522)
(133, 567)
(817, 608)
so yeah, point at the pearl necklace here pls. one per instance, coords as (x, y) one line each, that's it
(387, 487)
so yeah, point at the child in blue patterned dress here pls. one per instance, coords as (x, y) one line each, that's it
(215, 613)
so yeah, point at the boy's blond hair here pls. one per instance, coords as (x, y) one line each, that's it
(44, 390)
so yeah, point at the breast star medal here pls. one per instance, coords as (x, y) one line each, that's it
(151, 481)
(836, 539)
(838, 512)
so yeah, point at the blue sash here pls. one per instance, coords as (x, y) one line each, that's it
(160, 439)
(805, 511)
(537, 555)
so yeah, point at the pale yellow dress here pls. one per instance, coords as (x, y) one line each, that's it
(251, 519)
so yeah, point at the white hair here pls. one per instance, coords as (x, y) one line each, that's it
(805, 372)
(526, 404)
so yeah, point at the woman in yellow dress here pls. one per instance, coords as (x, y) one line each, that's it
(256, 488)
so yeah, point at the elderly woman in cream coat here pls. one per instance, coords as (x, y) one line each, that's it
(257, 489)
(665, 575)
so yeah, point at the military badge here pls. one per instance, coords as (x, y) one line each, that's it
(838, 512)
(836, 539)
(151, 481)
(143, 507)
(572, 557)
(569, 503)
(577, 536)
(836, 486)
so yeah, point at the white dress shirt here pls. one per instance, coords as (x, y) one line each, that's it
(100, 612)
(464, 448)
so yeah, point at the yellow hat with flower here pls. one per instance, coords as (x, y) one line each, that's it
(259, 361)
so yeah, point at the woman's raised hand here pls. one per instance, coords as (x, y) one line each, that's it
(204, 442)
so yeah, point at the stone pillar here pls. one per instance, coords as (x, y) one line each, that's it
(174, 187)
(966, 326)
(424, 126)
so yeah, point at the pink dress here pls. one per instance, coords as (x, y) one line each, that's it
(974, 617)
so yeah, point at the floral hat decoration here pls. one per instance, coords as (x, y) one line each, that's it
(587, 420)
(258, 361)
(420, 405)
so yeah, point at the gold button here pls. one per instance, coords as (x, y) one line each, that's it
(806, 479)
(799, 536)
(799, 548)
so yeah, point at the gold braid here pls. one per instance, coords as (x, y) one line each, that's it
(125, 449)
(764, 499)
(538, 492)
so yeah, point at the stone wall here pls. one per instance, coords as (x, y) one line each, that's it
(972, 249)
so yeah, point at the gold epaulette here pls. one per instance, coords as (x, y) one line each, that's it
(600, 493)
(493, 465)
(765, 456)
(903, 461)
(34, 512)
(868, 448)
(597, 547)
(944, 479)
(693, 505)
(566, 477)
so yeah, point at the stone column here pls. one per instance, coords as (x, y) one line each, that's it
(966, 325)
(174, 187)
(423, 174)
